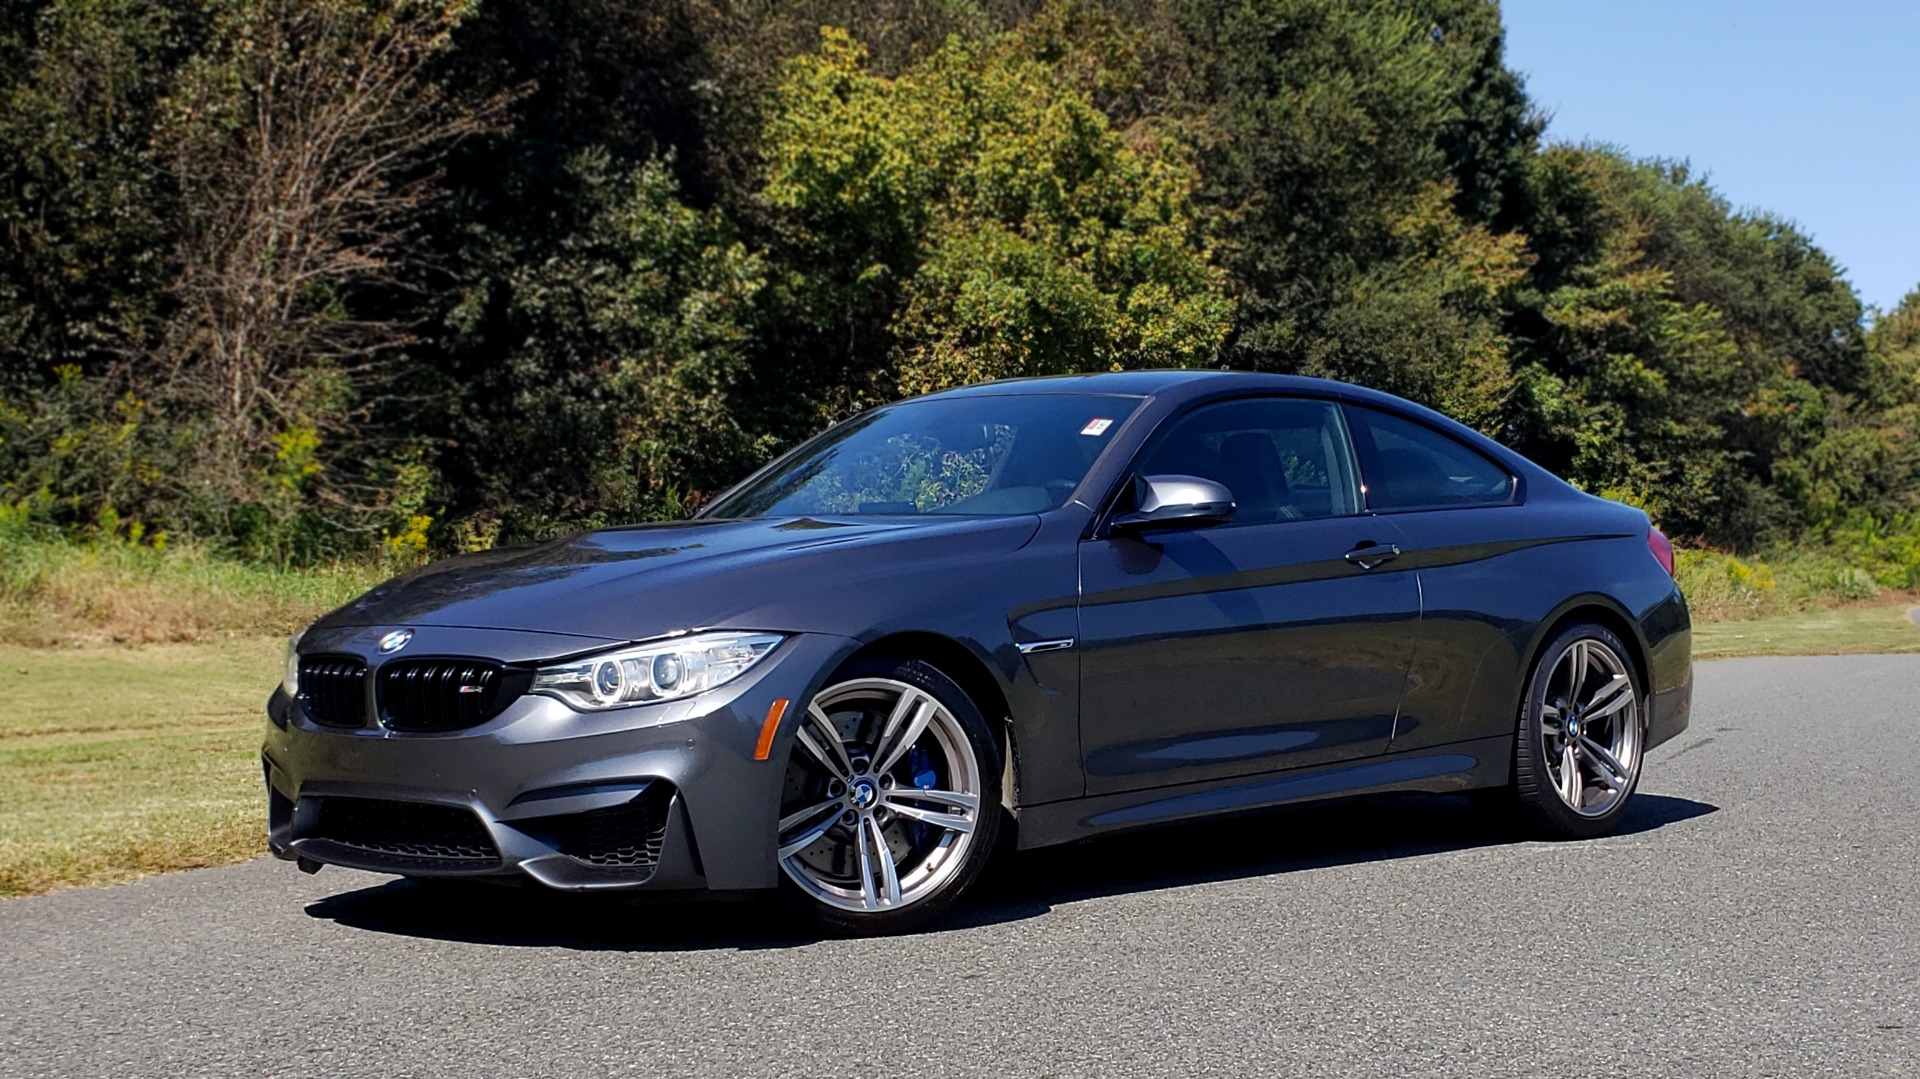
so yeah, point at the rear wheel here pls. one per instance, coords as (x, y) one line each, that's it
(891, 803)
(1577, 751)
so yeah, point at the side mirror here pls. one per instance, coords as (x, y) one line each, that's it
(1175, 502)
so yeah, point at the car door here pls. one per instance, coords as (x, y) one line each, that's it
(1482, 562)
(1277, 640)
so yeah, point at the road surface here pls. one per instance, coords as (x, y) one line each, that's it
(1760, 915)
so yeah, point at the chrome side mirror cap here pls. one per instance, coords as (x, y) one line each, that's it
(1175, 502)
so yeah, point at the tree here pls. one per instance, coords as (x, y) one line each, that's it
(1426, 320)
(1492, 131)
(621, 361)
(977, 217)
(304, 147)
(85, 199)
(302, 275)
(1745, 345)
(1318, 120)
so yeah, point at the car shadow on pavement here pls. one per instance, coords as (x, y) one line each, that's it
(1019, 887)
(1269, 843)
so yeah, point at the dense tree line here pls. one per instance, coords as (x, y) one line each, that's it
(309, 278)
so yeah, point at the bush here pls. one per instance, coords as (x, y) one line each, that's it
(1886, 549)
(1721, 586)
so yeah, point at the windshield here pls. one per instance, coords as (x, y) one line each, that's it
(986, 456)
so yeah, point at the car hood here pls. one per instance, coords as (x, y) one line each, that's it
(626, 584)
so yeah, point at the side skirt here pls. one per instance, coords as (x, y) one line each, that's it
(1448, 769)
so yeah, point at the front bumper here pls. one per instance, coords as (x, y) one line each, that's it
(663, 797)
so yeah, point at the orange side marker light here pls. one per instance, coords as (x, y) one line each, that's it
(772, 724)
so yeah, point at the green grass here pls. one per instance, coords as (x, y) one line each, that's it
(118, 762)
(137, 751)
(1811, 633)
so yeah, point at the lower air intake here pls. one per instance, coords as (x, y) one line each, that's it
(627, 836)
(404, 830)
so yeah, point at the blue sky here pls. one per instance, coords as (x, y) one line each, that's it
(1810, 109)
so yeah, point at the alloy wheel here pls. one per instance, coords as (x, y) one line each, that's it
(882, 797)
(1590, 728)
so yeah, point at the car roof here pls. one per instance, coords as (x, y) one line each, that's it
(1175, 387)
(1148, 383)
(1179, 385)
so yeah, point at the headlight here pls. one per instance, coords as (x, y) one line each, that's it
(661, 671)
(290, 679)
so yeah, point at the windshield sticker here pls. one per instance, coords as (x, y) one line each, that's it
(1096, 427)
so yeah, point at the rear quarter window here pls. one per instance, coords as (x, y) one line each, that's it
(1408, 465)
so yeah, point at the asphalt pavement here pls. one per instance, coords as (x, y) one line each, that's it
(1759, 915)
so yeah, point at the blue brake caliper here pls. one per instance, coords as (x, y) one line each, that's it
(920, 763)
(920, 766)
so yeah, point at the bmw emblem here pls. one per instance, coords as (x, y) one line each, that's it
(395, 641)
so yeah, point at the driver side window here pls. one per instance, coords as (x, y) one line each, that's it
(1284, 459)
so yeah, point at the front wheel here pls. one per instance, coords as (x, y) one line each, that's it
(891, 803)
(1577, 750)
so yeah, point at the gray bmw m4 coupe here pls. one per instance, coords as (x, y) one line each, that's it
(1025, 612)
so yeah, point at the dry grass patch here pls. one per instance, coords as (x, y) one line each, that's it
(53, 592)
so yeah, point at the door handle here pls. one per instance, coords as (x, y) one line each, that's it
(1370, 555)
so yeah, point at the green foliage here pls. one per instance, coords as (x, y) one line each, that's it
(1641, 379)
(1721, 586)
(1322, 120)
(989, 217)
(74, 456)
(613, 400)
(1886, 548)
(1690, 359)
(84, 198)
(200, 209)
(386, 278)
(1426, 322)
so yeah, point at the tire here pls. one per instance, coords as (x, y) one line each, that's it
(890, 807)
(1584, 704)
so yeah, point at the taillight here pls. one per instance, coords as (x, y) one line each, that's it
(1662, 548)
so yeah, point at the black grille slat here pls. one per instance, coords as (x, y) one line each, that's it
(346, 692)
(334, 690)
(457, 705)
(423, 695)
(471, 704)
(410, 830)
(446, 700)
(431, 694)
(409, 702)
